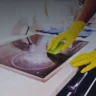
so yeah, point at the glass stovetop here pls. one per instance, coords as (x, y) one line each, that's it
(21, 56)
(87, 86)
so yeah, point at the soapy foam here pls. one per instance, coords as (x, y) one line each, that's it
(36, 58)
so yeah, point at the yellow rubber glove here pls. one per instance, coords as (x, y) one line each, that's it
(84, 59)
(69, 35)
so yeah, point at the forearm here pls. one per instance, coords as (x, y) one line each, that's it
(88, 11)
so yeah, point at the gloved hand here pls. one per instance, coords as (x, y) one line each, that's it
(84, 59)
(69, 35)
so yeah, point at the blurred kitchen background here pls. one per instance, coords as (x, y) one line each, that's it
(56, 14)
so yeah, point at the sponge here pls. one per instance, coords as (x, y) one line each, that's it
(57, 49)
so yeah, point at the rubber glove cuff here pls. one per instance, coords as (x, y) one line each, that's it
(77, 26)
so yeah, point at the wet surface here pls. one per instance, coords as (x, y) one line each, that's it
(19, 55)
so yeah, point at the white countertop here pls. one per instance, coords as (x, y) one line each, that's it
(13, 84)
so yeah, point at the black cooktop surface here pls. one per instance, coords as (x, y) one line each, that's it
(81, 85)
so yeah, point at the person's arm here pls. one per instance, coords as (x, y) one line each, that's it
(76, 27)
(86, 58)
(88, 11)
